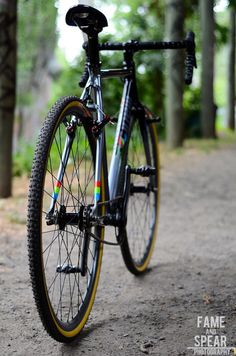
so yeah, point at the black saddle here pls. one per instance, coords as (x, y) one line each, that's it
(89, 20)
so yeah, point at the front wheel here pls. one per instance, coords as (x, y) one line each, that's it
(143, 202)
(64, 261)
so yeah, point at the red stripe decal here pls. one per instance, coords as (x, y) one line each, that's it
(97, 184)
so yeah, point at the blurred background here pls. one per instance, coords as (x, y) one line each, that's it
(41, 59)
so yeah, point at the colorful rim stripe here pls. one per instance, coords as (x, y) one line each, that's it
(97, 190)
(56, 190)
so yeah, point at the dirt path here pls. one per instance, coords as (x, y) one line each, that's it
(192, 272)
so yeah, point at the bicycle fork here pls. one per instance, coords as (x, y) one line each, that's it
(71, 128)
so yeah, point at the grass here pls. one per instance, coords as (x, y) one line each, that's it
(22, 160)
(204, 145)
(224, 138)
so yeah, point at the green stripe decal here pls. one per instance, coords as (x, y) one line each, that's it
(56, 190)
(97, 191)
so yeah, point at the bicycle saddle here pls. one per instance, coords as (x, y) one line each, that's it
(89, 19)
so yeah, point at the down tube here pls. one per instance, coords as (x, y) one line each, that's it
(122, 132)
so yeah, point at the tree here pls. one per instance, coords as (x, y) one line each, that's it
(231, 68)
(8, 21)
(174, 81)
(208, 109)
(36, 64)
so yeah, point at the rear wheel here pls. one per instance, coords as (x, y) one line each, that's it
(64, 261)
(140, 233)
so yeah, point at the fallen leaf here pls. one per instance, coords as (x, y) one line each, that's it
(207, 299)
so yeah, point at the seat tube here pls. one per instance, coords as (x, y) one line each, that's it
(100, 142)
(93, 53)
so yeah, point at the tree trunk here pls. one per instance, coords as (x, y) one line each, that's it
(208, 109)
(175, 81)
(231, 72)
(7, 91)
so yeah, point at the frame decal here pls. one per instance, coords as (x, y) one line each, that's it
(56, 190)
(97, 190)
(122, 138)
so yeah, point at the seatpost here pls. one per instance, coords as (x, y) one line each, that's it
(93, 52)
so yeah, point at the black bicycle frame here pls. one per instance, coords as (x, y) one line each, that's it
(129, 100)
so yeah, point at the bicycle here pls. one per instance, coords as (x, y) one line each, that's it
(72, 197)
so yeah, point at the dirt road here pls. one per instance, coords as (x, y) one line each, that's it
(192, 274)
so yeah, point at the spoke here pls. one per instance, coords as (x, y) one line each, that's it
(78, 180)
(49, 247)
(50, 195)
(72, 178)
(64, 167)
(62, 185)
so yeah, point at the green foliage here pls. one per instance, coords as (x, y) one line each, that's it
(191, 7)
(192, 99)
(192, 112)
(67, 81)
(36, 38)
(232, 3)
(112, 87)
(221, 34)
(145, 22)
(22, 159)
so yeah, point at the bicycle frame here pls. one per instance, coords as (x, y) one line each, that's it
(92, 85)
(129, 96)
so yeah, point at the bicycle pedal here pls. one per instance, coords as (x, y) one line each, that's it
(67, 269)
(144, 171)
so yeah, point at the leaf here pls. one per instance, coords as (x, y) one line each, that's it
(207, 299)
